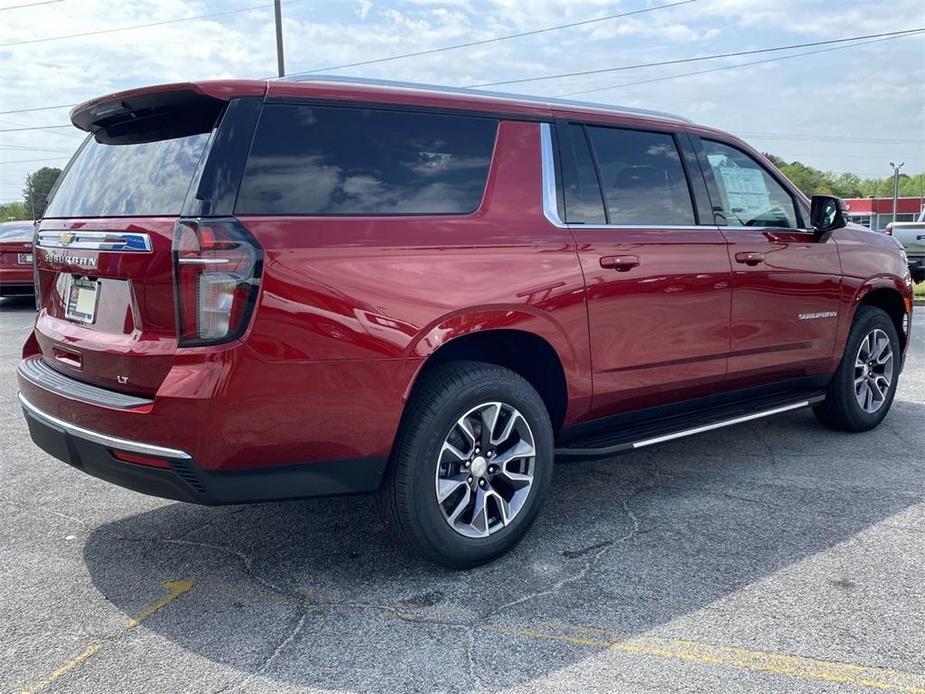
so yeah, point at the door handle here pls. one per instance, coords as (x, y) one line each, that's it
(620, 263)
(751, 258)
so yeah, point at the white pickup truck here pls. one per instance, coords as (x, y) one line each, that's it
(912, 236)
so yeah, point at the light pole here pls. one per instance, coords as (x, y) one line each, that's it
(896, 168)
(278, 12)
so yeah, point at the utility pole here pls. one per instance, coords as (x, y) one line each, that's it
(896, 168)
(278, 11)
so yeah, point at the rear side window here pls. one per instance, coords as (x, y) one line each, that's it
(642, 177)
(128, 180)
(583, 202)
(320, 160)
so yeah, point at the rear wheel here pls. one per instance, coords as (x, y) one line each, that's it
(470, 467)
(863, 387)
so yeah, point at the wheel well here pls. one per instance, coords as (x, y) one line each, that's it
(526, 354)
(892, 302)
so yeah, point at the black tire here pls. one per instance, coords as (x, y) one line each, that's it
(841, 409)
(407, 498)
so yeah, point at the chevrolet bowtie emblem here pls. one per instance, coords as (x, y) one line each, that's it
(65, 238)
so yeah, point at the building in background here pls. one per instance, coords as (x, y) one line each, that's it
(876, 213)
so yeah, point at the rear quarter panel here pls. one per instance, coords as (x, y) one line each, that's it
(344, 293)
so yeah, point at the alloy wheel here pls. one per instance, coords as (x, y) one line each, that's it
(873, 371)
(485, 469)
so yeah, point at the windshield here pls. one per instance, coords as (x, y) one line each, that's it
(128, 180)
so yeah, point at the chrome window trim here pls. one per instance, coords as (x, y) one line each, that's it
(110, 241)
(548, 159)
(102, 439)
(681, 227)
(551, 200)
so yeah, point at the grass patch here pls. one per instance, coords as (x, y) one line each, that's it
(919, 290)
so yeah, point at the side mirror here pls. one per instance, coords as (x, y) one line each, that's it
(827, 213)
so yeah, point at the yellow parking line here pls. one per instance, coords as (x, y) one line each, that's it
(174, 590)
(64, 669)
(799, 667)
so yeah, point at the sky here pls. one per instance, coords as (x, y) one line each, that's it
(849, 110)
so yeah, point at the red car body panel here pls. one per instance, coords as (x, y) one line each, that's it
(784, 308)
(659, 331)
(350, 308)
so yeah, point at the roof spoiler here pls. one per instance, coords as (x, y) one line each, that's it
(155, 113)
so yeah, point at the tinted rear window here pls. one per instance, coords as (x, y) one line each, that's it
(310, 160)
(143, 180)
(583, 202)
(642, 176)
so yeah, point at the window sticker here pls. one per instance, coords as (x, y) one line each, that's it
(746, 191)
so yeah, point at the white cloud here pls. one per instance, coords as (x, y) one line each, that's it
(860, 91)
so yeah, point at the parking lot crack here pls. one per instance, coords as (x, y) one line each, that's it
(603, 548)
(245, 560)
(269, 660)
(474, 676)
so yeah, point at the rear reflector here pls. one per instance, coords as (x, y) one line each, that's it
(137, 459)
(217, 267)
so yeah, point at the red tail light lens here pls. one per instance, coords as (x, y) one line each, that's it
(216, 266)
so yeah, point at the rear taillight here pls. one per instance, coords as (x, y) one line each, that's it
(216, 266)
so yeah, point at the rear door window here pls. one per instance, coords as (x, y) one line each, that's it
(642, 177)
(583, 201)
(128, 180)
(325, 160)
(748, 193)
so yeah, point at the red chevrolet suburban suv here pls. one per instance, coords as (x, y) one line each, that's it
(264, 290)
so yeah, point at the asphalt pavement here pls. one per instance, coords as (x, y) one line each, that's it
(774, 556)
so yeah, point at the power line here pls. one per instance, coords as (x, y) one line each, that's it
(36, 108)
(27, 161)
(30, 4)
(730, 67)
(35, 149)
(495, 39)
(416, 53)
(35, 127)
(142, 26)
(679, 61)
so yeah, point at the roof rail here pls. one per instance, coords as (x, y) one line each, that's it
(523, 98)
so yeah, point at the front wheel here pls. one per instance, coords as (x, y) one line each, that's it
(862, 390)
(470, 467)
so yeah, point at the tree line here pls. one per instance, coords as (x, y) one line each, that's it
(847, 185)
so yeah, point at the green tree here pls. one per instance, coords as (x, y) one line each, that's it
(38, 187)
(847, 185)
(13, 211)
